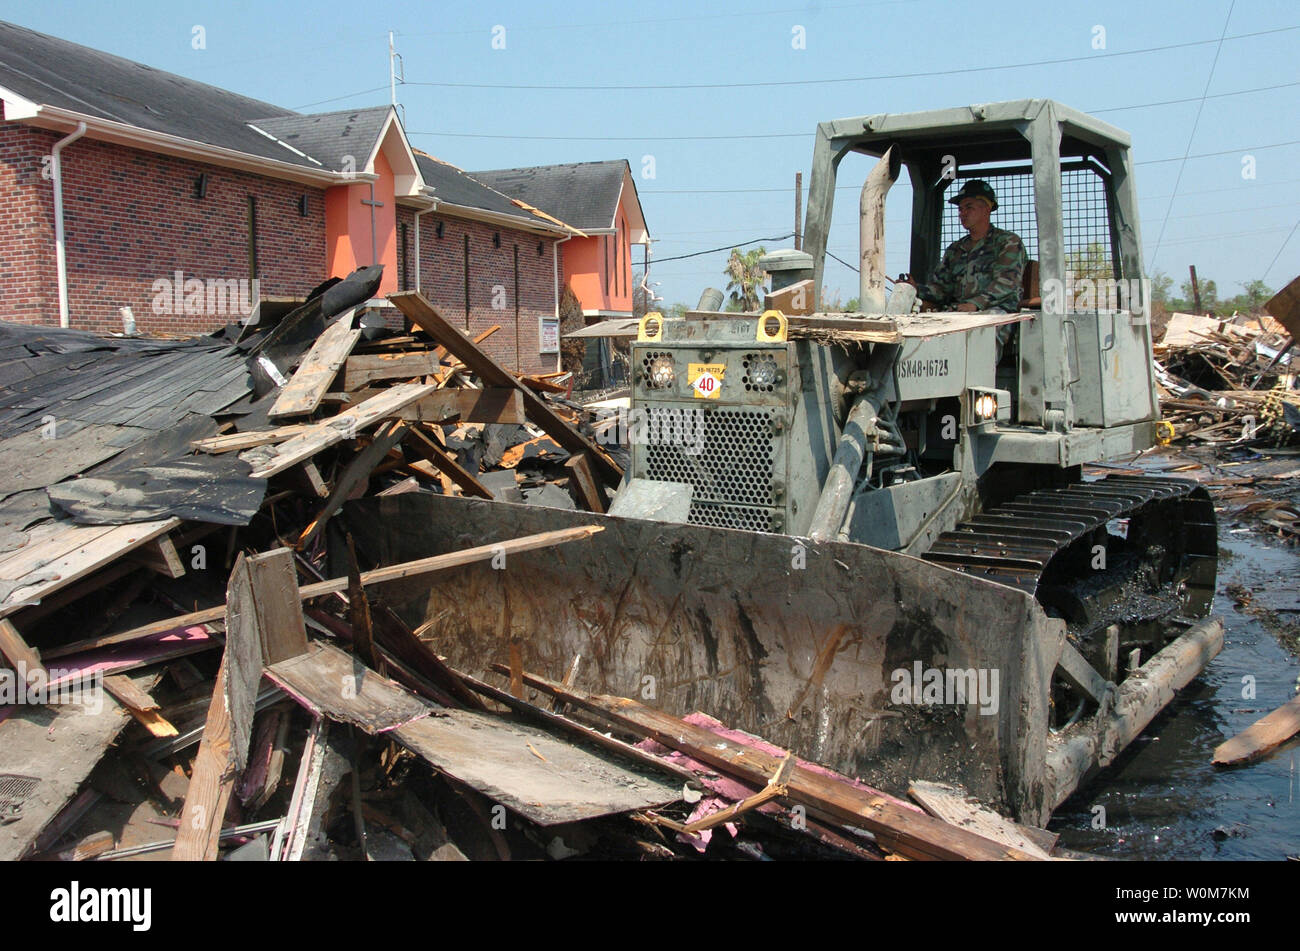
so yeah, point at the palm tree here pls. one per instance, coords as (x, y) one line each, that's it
(745, 278)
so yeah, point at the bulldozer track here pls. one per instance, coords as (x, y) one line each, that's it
(1017, 542)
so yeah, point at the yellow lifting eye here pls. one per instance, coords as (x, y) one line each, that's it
(1165, 432)
(771, 327)
(651, 326)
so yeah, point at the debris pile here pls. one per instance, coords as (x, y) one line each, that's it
(199, 660)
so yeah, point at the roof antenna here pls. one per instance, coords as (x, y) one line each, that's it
(396, 74)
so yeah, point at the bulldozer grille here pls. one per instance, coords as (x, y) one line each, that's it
(731, 469)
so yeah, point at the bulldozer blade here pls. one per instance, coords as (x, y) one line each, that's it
(874, 663)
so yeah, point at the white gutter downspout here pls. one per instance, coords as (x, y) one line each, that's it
(61, 255)
(423, 211)
(555, 267)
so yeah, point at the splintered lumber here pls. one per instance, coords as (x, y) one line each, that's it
(491, 373)
(897, 829)
(362, 370)
(1265, 734)
(211, 783)
(269, 460)
(302, 394)
(140, 705)
(406, 569)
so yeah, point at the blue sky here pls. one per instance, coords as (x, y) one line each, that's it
(710, 192)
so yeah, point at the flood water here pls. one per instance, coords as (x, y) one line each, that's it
(1162, 798)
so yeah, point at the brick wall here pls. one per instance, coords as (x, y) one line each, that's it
(491, 282)
(131, 219)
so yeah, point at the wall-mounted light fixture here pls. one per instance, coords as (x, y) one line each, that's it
(302, 206)
(201, 186)
(437, 229)
(541, 248)
(496, 239)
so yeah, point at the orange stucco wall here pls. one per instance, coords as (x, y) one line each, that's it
(347, 227)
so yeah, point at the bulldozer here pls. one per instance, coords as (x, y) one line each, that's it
(868, 537)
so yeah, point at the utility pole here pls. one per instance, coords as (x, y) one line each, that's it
(798, 211)
(1196, 290)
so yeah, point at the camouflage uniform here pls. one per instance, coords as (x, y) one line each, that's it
(987, 275)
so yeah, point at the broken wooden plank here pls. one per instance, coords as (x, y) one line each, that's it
(331, 683)
(211, 783)
(302, 394)
(274, 625)
(952, 804)
(529, 771)
(69, 554)
(588, 489)
(249, 440)
(1265, 734)
(897, 829)
(360, 371)
(491, 405)
(128, 694)
(357, 471)
(491, 373)
(269, 460)
(377, 576)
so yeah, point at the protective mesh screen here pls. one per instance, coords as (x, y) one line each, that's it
(1087, 223)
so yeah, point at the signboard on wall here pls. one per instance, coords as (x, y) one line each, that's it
(549, 335)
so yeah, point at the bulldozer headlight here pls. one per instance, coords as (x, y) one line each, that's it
(986, 407)
(763, 373)
(660, 372)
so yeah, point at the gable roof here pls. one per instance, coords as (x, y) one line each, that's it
(329, 137)
(454, 186)
(47, 70)
(584, 194)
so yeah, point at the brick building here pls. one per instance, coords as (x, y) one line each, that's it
(125, 186)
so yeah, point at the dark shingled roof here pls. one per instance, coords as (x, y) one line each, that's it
(454, 186)
(329, 136)
(583, 194)
(54, 72)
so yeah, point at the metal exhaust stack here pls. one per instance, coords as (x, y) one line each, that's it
(871, 233)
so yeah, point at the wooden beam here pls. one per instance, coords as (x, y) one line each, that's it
(17, 651)
(896, 828)
(440, 458)
(491, 405)
(585, 484)
(302, 394)
(406, 569)
(492, 373)
(362, 370)
(356, 472)
(239, 441)
(1266, 733)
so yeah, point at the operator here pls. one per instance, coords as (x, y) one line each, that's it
(982, 271)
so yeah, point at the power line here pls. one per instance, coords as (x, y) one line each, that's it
(785, 135)
(853, 79)
(1280, 250)
(725, 247)
(321, 102)
(1195, 125)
